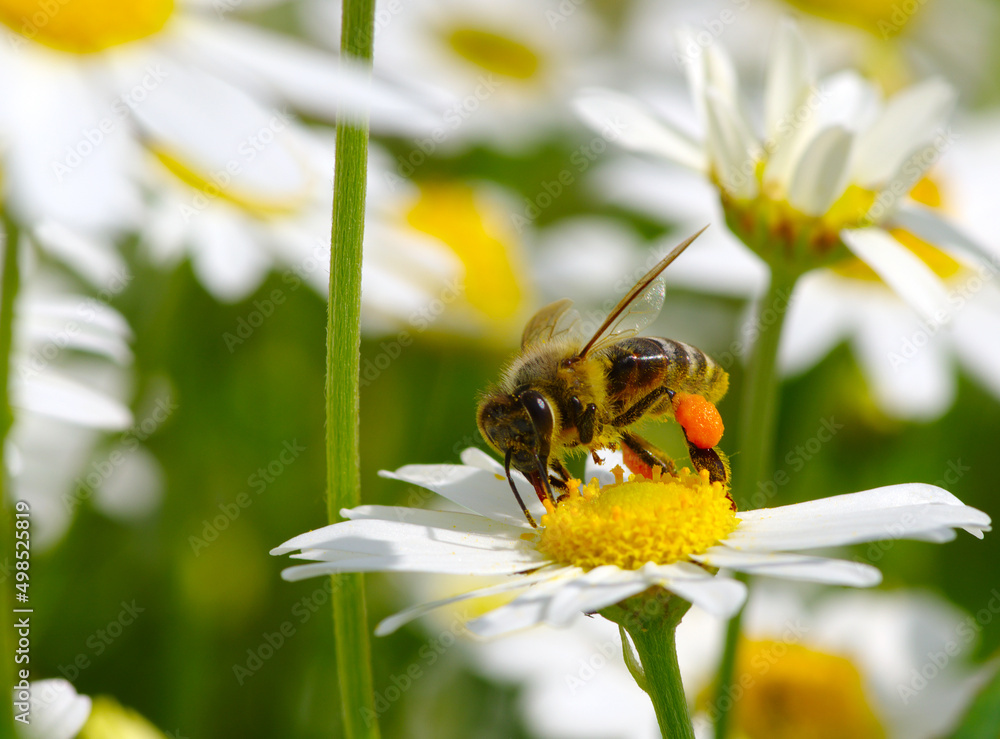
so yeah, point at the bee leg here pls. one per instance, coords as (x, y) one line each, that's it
(712, 460)
(641, 456)
(561, 476)
(633, 414)
(585, 423)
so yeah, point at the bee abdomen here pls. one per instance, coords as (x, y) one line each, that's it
(647, 362)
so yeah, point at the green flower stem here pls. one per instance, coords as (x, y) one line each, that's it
(8, 292)
(757, 428)
(343, 475)
(651, 620)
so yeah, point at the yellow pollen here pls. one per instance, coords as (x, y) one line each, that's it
(628, 524)
(792, 692)
(488, 251)
(883, 18)
(494, 53)
(258, 207)
(85, 26)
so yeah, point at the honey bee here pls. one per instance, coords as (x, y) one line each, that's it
(561, 394)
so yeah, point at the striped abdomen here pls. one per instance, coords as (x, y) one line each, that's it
(639, 365)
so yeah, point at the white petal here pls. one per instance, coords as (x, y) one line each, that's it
(246, 149)
(977, 343)
(58, 161)
(597, 589)
(821, 174)
(455, 564)
(476, 457)
(908, 364)
(793, 566)
(226, 254)
(57, 711)
(720, 75)
(789, 77)
(929, 226)
(313, 81)
(893, 512)
(628, 123)
(388, 537)
(94, 259)
(59, 397)
(392, 623)
(732, 162)
(817, 321)
(480, 491)
(72, 322)
(525, 611)
(719, 596)
(901, 270)
(456, 521)
(841, 100)
(907, 122)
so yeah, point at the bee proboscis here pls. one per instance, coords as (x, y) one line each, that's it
(561, 394)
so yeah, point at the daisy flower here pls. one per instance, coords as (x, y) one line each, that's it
(828, 176)
(612, 539)
(499, 70)
(87, 83)
(910, 361)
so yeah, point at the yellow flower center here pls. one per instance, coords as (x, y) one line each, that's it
(223, 187)
(884, 18)
(85, 26)
(451, 213)
(494, 53)
(792, 692)
(628, 524)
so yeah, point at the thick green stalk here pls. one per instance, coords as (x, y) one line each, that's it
(651, 620)
(343, 475)
(757, 429)
(8, 292)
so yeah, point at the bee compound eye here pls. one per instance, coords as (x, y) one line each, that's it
(539, 413)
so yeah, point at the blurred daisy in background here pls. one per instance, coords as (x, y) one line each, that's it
(583, 559)
(502, 73)
(904, 239)
(70, 376)
(88, 83)
(893, 43)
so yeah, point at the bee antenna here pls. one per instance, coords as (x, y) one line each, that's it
(510, 480)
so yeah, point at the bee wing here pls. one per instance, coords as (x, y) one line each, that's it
(554, 320)
(640, 306)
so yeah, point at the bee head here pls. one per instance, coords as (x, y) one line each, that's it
(520, 425)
